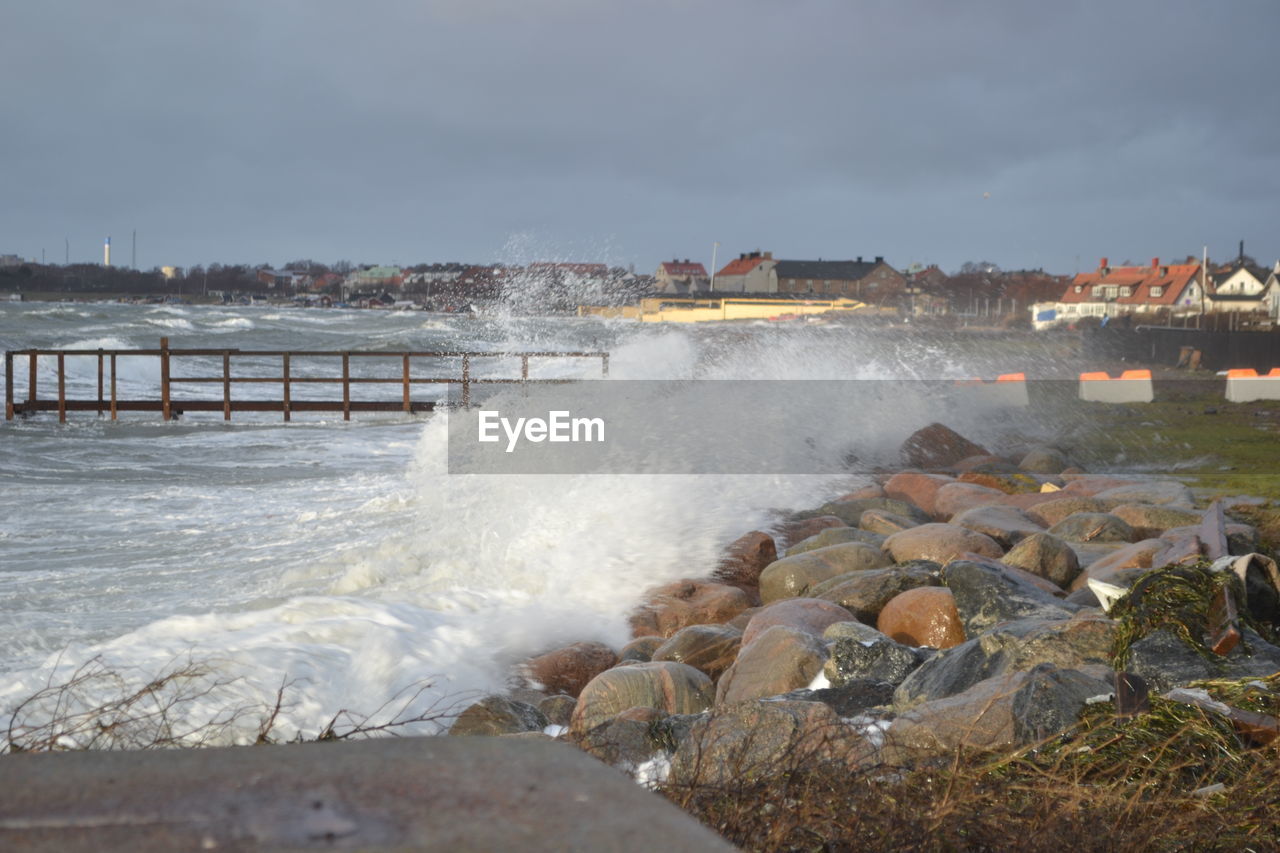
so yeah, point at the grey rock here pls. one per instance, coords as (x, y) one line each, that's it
(878, 660)
(1044, 460)
(498, 715)
(986, 596)
(851, 511)
(1046, 556)
(1094, 527)
(865, 593)
(1166, 662)
(835, 536)
(885, 523)
(850, 699)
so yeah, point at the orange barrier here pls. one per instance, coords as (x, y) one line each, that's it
(1244, 385)
(1131, 386)
(1006, 390)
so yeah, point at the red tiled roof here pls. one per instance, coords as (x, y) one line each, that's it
(1174, 278)
(683, 268)
(741, 266)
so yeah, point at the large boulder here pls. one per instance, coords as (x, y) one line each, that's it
(1165, 661)
(1083, 642)
(1046, 556)
(779, 660)
(1052, 511)
(999, 713)
(1149, 521)
(675, 688)
(864, 594)
(710, 649)
(940, 543)
(498, 715)
(687, 602)
(753, 740)
(1008, 480)
(917, 488)
(925, 616)
(957, 497)
(641, 648)
(886, 523)
(568, 670)
(1093, 527)
(986, 595)
(835, 536)
(876, 660)
(804, 614)
(1137, 555)
(744, 559)
(1044, 460)
(937, 446)
(1162, 492)
(852, 511)
(850, 699)
(791, 577)
(1005, 524)
(802, 526)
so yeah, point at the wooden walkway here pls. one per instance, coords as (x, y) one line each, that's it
(107, 400)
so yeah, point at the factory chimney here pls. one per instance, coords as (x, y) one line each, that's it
(106, 253)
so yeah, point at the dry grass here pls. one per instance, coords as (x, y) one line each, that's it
(1146, 783)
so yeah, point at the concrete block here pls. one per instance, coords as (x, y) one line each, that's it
(1007, 391)
(428, 793)
(1244, 385)
(1132, 386)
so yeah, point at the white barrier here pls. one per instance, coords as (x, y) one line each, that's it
(1244, 385)
(1009, 390)
(1132, 386)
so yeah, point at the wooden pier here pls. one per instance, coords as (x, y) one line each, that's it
(107, 400)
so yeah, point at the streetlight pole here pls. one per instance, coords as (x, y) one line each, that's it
(715, 247)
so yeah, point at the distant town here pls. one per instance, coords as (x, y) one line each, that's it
(1158, 291)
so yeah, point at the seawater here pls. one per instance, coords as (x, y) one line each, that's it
(340, 561)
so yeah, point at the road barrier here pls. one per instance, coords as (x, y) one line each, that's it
(1132, 386)
(1244, 385)
(1008, 390)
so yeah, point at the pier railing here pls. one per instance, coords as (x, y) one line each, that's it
(109, 402)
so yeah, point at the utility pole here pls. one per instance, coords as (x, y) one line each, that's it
(66, 259)
(715, 247)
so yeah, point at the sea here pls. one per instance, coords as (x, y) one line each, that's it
(323, 570)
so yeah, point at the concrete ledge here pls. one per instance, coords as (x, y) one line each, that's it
(456, 794)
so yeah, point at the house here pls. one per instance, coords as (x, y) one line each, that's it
(751, 272)
(680, 277)
(1114, 291)
(377, 277)
(1271, 294)
(871, 281)
(1239, 287)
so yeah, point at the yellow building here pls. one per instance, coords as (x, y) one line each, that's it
(666, 309)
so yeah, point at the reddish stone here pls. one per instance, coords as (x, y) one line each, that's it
(872, 491)
(1139, 555)
(924, 616)
(937, 446)
(957, 497)
(1010, 483)
(791, 532)
(916, 487)
(687, 602)
(568, 670)
(743, 561)
(940, 543)
(811, 615)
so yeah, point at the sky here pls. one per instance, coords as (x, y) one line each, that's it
(1031, 135)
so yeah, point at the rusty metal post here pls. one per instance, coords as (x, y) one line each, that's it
(408, 404)
(466, 382)
(285, 365)
(99, 381)
(33, 361)
(113, 386)
(226, 385)
(346, 386)
(604, 364)
(165, 408)
(62, 388)
(8, 386)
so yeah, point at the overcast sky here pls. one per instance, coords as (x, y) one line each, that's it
(628, 131)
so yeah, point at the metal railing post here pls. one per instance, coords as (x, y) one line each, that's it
(346, 386)
(8, 386)
(33, 362)
(285, 379)
(226, 385)
(62, 388)
(100, 381)
(113, 386)
(165, 407)
(408, 404)
(466, 381)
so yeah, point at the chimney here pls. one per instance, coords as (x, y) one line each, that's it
(768, 256)
(1241, 253)
(879, 259)
(859, 258)
(1102, 264)
(1155, 263)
